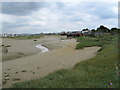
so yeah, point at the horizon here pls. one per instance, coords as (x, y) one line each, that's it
(60, 31)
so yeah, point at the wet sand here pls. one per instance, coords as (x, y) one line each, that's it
(62, 55)
(22, 48)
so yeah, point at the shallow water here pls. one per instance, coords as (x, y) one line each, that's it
(43, 49)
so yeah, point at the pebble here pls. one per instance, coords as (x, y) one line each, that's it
(16, 79)
(33, 72)
(4, 82)
(7, 78)
(8, 68)
(6, 75)
(23, 70)
(16, 72)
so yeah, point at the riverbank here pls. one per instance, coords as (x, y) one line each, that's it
(101, 71)
(39, 65)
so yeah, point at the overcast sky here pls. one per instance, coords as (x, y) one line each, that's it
(37, 17)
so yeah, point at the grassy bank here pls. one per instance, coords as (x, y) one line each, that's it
(97, 72)
(91, 41)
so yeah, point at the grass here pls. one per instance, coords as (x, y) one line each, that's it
(97, 72)
(29, 37)
(90, 41)
(26, 37)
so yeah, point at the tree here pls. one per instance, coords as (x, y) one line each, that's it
(114, 30)
(85, 29)
(103, 29)
(93, 30)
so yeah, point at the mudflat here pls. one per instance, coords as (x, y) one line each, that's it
(62, 54)
(22, 48)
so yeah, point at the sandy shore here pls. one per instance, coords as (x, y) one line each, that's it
(62, 55)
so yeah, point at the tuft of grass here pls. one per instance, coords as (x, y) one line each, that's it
(96, 72)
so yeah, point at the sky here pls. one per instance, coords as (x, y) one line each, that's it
(37, 17)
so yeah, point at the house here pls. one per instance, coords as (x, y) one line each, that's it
(98, 34)
(74, 34)
(87, 33)
(63, 33)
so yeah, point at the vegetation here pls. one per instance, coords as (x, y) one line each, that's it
(103, 29)
(98, 72)
(92, 41)
(27, 37)
(87, 42)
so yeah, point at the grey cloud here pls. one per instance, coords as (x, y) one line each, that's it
(103, 10)
(6, 25)
(21, 8)
(70, 15)
(60, 5)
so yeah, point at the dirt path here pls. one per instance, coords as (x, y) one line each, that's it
(40, 65)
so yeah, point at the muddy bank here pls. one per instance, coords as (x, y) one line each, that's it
(40, 65)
